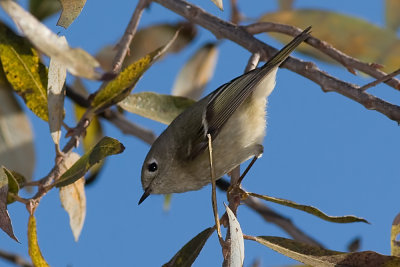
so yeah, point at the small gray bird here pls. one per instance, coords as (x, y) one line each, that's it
(234, 116)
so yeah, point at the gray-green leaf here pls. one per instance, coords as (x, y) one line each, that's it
(161, 108)
(188, 253)
(105, 147)
(311, 210)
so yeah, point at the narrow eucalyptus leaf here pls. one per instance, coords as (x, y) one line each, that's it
(316, 256)
(105, 147)
(158, 107)
(311, 210)
(186, 256)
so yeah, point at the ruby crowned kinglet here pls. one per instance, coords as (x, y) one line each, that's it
(234, 116)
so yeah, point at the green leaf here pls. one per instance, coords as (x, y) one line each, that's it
(161, 108)
(149, 39)
(16, 138)
(13, 185)
(25, 73)
(392, 14)
(77, 61)
(33, 246)
(105, 147)
(394, 242)
(55, 94)
(354, 36)
(316, 256)
(42, 9)
(70, 11)
(5, 221)
(186, 256)
(196, 73)
(119, 88)
(311, 210)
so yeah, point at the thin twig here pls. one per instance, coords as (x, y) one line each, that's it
(349, 62)
(15, 259)
(273, 217)
(235, 176)
(115, 118)
(18, 198)
(249, 237)
(380, 80)
(247, 169)
(124, 43)
(224, 29)
(213, 193)
(128, 127)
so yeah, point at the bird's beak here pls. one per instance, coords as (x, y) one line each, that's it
(146, 193)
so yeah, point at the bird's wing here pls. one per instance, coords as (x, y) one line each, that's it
(225, 100)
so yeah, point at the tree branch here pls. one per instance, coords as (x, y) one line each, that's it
(128, 127)
(380, 80)
(123, 44)
(349, 62)
(239, 35)
(15, 259)
(115, 118)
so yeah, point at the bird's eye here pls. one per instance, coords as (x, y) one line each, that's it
(152, 167)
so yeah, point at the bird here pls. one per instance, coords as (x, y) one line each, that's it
(233, 115)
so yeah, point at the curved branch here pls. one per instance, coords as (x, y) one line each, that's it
(15, 259)
(349, 62)
(239, 35)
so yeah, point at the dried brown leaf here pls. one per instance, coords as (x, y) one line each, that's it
(196, 73)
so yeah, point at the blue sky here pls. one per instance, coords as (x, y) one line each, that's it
(321, 149)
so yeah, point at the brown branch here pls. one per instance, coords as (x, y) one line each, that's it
(123, 44)
(15, 259)
(115, 118)
(380, 80)
(128, 127)
(349, 62)
(227, 30)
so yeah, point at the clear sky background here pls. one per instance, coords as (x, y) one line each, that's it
(321, 149)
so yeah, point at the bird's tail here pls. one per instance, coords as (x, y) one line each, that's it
(284, 53)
